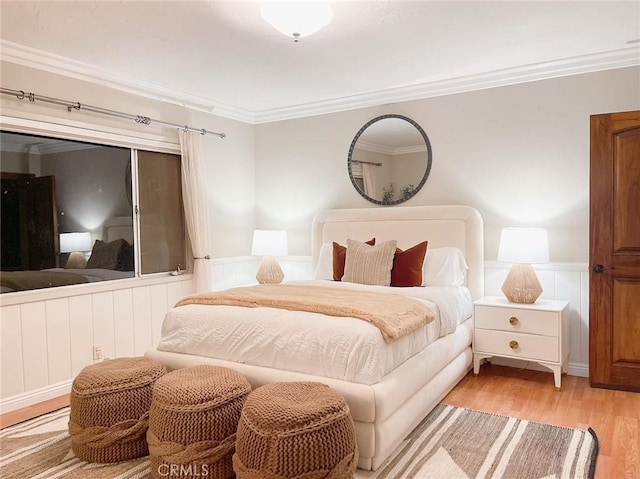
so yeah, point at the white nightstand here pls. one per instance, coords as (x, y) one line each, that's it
(536, 332)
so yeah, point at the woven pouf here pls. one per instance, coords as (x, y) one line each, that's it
(193, 421)
(110, 404)
(295, 429)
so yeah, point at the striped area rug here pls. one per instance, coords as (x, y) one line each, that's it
(451, 443)
(458, 443)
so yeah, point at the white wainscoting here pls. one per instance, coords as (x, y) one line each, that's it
(241, 270)
(567, 281)
(48, 336)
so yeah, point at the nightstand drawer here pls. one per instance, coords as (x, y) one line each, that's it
(517, 320)
(525, 346)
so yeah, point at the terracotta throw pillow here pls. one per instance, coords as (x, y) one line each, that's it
(339, 256)
(407, 266)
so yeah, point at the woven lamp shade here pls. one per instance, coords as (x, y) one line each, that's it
(193, 421)
(295, 429)
(109, 409)
(523, 247)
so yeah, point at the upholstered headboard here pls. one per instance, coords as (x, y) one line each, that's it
(454, 225)
(118, 227)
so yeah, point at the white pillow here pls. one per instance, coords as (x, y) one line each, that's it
(444, 267)
(366, 264)
(324, 268)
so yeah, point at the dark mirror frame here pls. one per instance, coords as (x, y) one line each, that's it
(424, 177)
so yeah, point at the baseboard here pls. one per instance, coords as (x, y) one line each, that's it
(573, 369)
(578, 369)
(36, 396)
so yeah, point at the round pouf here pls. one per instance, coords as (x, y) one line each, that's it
(193, 421)
(295, 429)
(110, 404)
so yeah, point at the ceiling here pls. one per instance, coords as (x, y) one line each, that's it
(222, 57)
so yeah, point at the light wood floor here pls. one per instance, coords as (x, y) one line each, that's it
(526, 394)
(14, 417)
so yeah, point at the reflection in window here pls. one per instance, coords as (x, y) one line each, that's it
(162, 228)
(67, 212)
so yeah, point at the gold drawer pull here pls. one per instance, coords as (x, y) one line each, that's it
(514, 345)
(513, 321)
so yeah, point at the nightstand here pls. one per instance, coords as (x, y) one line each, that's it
(536, 332)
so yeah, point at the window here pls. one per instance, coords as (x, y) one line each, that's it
(68, 212)
(162, 228)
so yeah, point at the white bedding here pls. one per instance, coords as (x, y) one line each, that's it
(342, 348)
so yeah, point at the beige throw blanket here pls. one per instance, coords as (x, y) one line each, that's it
(393, 314)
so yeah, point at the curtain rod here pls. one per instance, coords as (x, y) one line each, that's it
(366, 162)
(145, 120)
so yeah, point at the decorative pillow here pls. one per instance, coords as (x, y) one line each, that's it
(367, 264)
(125, 260)
(444, 267)
(407, 266)
(339, 253)
(105, 255)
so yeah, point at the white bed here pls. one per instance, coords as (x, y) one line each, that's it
(116, 228)
(386, 400)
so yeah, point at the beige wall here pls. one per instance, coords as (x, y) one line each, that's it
(229, 162)
(520, 154)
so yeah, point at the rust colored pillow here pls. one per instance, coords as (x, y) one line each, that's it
(407, 266)
(339, 257)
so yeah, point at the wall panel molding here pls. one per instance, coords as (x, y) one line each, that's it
(45, 343)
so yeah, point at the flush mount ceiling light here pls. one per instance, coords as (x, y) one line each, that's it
(297, 19)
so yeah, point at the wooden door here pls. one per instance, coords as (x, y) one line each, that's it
(42, 223)
(29, 222)
(13, 226)
(614, 280)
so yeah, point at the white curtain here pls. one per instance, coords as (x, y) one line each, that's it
(194, 198)
(369, 182)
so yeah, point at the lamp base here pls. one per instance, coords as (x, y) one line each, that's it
(270, 271)
(76, 261)
(522, 285)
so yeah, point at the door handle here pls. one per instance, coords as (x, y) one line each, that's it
(598, 268)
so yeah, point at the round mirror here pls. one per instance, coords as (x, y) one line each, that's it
(389, 159)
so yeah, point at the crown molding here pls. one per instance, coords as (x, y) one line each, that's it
(43, 148)
(621, 58)
(41, 60)
(34, 58)
(387, 150)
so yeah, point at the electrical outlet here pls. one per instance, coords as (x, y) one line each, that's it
(97, 352)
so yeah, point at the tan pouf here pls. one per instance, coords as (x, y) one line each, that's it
(110, 407)
(193, 421)
(293, 430)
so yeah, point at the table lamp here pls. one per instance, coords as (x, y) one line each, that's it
(76, 244)
(523, 247)
(269, 244)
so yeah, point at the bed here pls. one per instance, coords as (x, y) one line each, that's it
(110, 259)
(387, 397)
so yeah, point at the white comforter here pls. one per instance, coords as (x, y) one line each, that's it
(312, 343)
